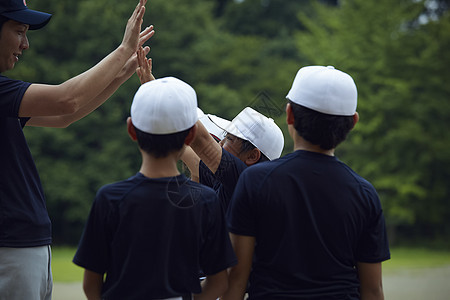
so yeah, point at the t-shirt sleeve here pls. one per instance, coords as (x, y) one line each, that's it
(206, 177)
(228, 173)
(373, 245)
(241, 218)
(93, 251)
(229, 169)
(11, 94)
(217, 253)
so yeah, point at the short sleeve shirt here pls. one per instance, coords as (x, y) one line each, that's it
(313, 219)
(153, 236)
(24, 221)
(224, 180)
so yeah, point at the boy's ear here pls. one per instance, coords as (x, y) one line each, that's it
(191, 135)
(131, 130)
(355, 119)
(289, 114)
(252, 156)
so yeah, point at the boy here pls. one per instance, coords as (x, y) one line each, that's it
(306, 226)
(152, 233)
(250, 138)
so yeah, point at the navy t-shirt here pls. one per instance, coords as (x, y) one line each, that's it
(152, 236)
(24, 221)
(313, 219)
(224, 180)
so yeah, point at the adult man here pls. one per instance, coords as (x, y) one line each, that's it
(25, 228)
(152, 233)
(306, 226)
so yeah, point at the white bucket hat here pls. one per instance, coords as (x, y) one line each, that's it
(324, 89)
(164, 106)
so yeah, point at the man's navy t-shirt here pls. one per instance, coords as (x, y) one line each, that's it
(313, 219)
(24, 221)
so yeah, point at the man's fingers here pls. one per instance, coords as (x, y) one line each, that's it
(146, 34)
(146, 30)
(146, 50)
(141, 13)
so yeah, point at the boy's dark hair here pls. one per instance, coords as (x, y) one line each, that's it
(247, 146)
(321, 129)
(161, 145)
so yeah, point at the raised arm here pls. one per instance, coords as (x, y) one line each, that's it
(75, 93)
(65, 120)
(370, 277)
(207, 149)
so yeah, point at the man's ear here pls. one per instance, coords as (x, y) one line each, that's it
(289, 114)
(131, 130)
(191, 135)
(252, 156)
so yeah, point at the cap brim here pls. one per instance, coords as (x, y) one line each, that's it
(219, 122)
(35, 19)
(211, 124)
(228, 127)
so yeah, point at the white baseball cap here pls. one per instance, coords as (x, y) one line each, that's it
(324, 89)
(164, 106)
(213, 124)
(259, 130)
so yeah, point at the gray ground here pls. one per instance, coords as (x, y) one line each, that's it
(420, 284)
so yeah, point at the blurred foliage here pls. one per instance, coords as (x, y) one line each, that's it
(246, 53)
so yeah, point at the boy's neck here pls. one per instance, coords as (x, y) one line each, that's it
(160, 167)
(301, 144)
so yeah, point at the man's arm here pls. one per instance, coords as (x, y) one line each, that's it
(370, 277)
(92, 285)
(213, 286)
(75, 93)
(65, 120)
(244, 247)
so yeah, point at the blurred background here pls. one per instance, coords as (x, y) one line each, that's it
(246, 53)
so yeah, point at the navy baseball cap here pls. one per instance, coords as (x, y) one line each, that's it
(17, 10)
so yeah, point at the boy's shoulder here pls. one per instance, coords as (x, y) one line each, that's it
(178, 186)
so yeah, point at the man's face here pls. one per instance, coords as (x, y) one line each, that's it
(13, 40)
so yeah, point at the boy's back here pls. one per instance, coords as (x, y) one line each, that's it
(152, 236)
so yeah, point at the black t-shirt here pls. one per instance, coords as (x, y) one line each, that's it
(224, 180)
(24, 221)
(313, 219)
(152, 236)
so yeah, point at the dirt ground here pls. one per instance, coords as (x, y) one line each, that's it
(420, 284)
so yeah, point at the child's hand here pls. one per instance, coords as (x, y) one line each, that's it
(144, 71)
